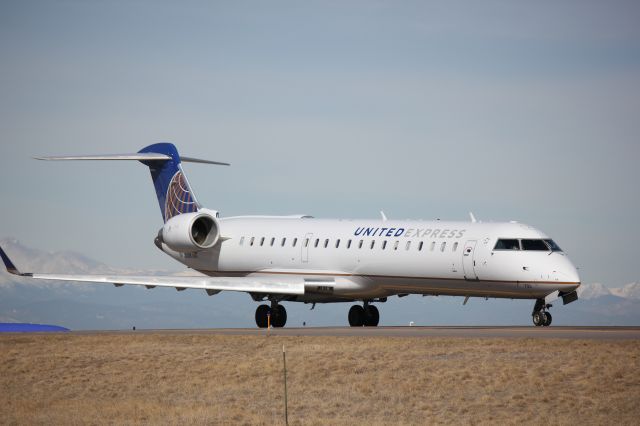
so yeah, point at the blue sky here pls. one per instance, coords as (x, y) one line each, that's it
(513, 110)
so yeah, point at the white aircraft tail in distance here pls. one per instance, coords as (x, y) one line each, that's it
(298, 258)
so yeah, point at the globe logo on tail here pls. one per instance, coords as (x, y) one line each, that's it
(179, 197)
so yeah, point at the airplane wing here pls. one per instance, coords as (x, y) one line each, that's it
(211, 284)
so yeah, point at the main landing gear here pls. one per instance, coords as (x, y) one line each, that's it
(541, 317)
(367, 315)
(277, 312)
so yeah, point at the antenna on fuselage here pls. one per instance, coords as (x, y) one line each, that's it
(384, 216)
(473, 218)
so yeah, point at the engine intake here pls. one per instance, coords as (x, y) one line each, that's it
(191, 232)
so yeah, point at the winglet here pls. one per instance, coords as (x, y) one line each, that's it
(11, 268)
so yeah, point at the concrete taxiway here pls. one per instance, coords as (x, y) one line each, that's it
(530, 332)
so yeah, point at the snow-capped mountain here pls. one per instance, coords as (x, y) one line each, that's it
(63, 262)
(592, 291)
(27, 259)
(629, 291)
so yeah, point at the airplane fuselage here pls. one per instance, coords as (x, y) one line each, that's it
(366, 259)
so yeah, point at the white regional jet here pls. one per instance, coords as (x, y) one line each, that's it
(301, 259)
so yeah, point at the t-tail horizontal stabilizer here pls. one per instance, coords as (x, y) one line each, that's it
(173, 190)
(139, 156)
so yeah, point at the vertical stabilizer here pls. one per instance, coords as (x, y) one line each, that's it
(174, 193)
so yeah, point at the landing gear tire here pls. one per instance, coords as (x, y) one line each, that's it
(261, 316)
(279, 316)
(372, 316)
(538, 318)
(356, 316)
(541, 315)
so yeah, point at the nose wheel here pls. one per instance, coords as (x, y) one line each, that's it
(541, 316)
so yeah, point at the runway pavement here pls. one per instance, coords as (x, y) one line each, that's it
(553, 332)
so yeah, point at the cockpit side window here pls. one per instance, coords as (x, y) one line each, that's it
(534, 245)
(507, 244)
(552, 245)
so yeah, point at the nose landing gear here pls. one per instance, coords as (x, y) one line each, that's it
(367, 315)
(541, 317)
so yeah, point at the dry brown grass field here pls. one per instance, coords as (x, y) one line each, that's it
(214, 379)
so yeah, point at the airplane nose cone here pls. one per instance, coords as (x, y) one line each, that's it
(566, 272)
(574, 277)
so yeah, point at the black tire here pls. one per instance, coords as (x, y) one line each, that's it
(547, 319)
(372, 316)
(261, 315)
(356, 316)
(279, 318)
(538, 318)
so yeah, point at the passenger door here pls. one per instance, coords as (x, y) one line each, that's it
(468, 262)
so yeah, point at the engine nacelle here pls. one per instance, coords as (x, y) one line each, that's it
(191, 232)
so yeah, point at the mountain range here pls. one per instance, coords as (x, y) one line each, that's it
(593, 291)
(100, 307)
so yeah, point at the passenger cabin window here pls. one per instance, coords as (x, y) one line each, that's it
(283, 242)
(395, 245)
(360, 244)
(349, 244)
(261, 241)
(507, 244)
(442, 246)
(384, 244)
(552, 245)
(306, 242)
(326, 243)
(534, 245)
(295, 241)
(317, 242)
(455, 246)
(241, 240)
(251, 241)
(408, 245)
(373, 243)
(338, 243)
(273, 240)
(421, 244)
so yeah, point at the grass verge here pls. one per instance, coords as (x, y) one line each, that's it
(213, 379)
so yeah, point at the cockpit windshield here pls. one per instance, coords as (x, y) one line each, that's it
(527, 244)
(534, 245)
(552, 245)
(507, 244)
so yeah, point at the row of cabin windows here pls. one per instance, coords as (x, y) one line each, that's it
(317, 243)
(283, 242)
